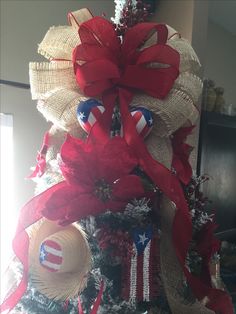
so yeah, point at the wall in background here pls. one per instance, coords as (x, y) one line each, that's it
(190, 19)
(220, 59)
(23, 25)
(29, 127)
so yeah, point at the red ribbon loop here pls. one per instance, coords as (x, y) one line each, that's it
(101, 62)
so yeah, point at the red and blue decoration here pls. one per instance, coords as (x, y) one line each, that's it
(141, 278)
(51, 255)
(88, 112)
(143, 120)
(142, 238)
(91, 110)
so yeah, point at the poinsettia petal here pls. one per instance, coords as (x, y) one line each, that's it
(78, 163)
(70, 204)
(116, 160)
(84, 205)
(71, 148)
(57, 204)
(128, 187)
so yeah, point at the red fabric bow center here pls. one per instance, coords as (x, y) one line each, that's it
(102, 62)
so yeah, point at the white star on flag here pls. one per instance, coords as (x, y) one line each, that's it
(42, 255)
(142, 238)
(81, 115)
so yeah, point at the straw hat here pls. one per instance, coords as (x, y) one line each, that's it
(59, 259)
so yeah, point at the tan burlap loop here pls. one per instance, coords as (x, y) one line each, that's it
(191, 85)
(76, 18)
(159, 147)
(188, 58)
(172, 112)
(45, 77)
(60, 108)
(59, 42)
(171, 271)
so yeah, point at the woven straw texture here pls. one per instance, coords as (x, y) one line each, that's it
(60, 285)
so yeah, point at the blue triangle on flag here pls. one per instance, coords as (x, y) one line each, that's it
(142, 237)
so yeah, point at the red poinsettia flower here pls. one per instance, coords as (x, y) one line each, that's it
(97, 178)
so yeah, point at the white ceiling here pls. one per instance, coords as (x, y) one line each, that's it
(223, 12)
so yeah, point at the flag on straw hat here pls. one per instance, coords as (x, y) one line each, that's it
(59, 259)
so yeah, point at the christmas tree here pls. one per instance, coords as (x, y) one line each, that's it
(118, 223)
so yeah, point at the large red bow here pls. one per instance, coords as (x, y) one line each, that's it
(101, 62)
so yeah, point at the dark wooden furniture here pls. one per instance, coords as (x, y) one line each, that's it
(217, 159)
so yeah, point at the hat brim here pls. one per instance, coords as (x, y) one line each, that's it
(57, 285)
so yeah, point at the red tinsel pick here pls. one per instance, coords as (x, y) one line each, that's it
(181, 153)
(41, 159)
(117, 241)
(132, 14)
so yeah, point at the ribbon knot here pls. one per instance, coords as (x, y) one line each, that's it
(102, 62)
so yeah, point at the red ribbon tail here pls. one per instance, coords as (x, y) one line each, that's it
(100, 131)
(80, 309)
(98, 300)
(96, 303)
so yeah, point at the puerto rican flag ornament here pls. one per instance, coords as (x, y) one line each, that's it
(91, 110)
(141, 280)
(50, 255)
(88, 112)
(143, 119)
